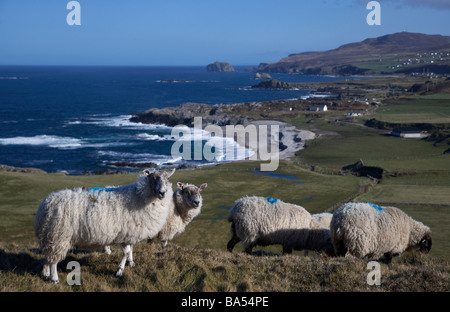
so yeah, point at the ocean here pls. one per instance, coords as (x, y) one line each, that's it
(76, 119)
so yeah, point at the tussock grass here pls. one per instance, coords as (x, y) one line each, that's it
(181, 269)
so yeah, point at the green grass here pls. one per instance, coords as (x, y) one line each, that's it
(226, 183)
(391, 153)
(433, 109)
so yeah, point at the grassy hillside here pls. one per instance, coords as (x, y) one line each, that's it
(193, 269)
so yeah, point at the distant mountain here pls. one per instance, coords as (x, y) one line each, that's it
(368, 56)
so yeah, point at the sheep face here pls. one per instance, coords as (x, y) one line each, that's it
(191, 194)
(425, 243)
(158, 182)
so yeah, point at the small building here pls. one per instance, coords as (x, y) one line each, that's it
(407, 132)
(318, 108)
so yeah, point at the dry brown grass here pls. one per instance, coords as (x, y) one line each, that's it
(181, 269)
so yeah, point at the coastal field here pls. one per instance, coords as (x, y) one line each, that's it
(416, 179)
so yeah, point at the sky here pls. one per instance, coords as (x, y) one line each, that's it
(198, 32)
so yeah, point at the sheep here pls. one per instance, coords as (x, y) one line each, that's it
(185, 206)
(268, 221)
(81, 218)
(323, 218)
(371, 232)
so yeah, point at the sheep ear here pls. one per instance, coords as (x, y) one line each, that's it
(202, 187)
(148, 172)
(169, 173)
(180, 185)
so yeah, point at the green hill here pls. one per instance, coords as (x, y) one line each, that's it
(386, 54)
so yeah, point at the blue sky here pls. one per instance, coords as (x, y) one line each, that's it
(198, 32)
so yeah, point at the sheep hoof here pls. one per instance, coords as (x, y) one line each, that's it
(119, 273)
(132, 264)
(55, 281)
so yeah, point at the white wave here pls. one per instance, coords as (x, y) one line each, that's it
(139, 157)
(154, 137)
(43, 140)
(123, 121)
(226, 149)
(63, 143)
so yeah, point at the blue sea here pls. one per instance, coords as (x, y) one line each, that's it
(76, 119)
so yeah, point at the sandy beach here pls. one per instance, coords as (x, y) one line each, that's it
(288, 138)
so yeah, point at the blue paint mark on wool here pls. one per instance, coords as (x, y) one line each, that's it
(379, 208)
(98, 189)
(272, 200)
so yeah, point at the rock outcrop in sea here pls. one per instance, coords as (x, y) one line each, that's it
(220, 67)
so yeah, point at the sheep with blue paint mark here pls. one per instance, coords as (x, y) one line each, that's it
(102, 216)
(372, 232)
(269, 221)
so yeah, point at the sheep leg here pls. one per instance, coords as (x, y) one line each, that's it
(107, 250)
(287, 250)
(46, 270)
(130, 258)
(53, 273)
(125, 249)
(163, 244)
(233, 241)
(249, 249)
(234, 238)
(387, 258)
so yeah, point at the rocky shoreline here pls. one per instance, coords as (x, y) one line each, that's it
(289, 141)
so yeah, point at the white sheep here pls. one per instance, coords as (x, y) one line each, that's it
(269, 221)
(185, 206)
(323, 218)
(368, 231)
(102, 216)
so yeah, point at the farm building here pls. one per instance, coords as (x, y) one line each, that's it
(407, 132)
(318, 108)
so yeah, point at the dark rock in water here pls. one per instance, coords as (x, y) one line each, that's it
(106, 172)
(273, 84)
(132, 165)
(184, 114)
(186, 166)
(220, 67)
(262, 76)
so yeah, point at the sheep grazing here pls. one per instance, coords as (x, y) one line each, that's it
(372, 232)
(323, 219)
(269, 221)
(185, 206)
(102, 216)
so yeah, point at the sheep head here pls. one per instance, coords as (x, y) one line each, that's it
(158, 181)
(191, 194)
(425, 243)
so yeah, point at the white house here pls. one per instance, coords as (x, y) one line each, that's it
(318, 108)
(407, 132)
